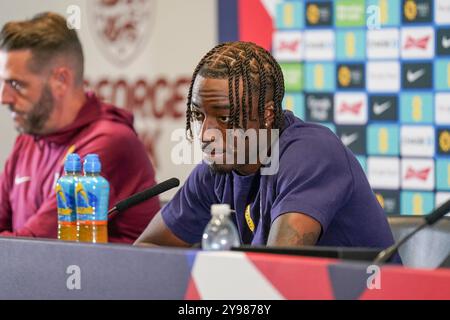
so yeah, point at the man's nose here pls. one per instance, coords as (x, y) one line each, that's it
(6, 94)
(208, 131)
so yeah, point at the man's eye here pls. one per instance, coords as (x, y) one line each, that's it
(196, 115)
(225, 119)
(15, 85)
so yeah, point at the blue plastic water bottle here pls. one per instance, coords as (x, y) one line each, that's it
(92, 199)
(65, 198)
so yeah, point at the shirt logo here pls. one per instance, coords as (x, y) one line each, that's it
(20, 180)
(248, 218)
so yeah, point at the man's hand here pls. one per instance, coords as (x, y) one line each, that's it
(294, 229)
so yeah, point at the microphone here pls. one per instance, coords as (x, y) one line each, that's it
(145, 195)
(429, 220)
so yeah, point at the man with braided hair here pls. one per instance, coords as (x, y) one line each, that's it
(318, 196)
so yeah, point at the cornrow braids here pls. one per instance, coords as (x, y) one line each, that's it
(262, 90)
(245, 91)
(189, 98)
(259, 72)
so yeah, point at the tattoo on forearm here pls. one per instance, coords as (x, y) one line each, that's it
(288, 235)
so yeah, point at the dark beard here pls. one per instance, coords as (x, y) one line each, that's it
(40, 113)
(220, 168)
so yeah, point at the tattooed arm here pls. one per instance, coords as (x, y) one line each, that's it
(294, 229)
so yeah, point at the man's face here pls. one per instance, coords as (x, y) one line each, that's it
(27, 94)
(211, 118)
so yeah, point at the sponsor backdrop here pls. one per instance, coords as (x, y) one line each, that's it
(140, 55)
(377, 73)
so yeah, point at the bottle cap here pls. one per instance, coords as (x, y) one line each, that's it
(218, 209)
(92, 163)
(72, 163)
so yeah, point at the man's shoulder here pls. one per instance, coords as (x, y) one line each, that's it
(114, 131)
(311, 138)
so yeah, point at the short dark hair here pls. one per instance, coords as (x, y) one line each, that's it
(259, 72)
(47, 36)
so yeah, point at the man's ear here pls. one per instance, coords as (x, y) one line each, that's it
(269, 115)
(60, 80)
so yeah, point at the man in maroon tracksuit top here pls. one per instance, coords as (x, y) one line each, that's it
(41, 81)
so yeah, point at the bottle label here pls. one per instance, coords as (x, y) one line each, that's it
(65, 201)
(92, 197)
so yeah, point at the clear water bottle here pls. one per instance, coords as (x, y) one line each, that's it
(220, 233)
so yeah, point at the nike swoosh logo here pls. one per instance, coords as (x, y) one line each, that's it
(445, 42)
(380, 108)
(349, 139)
(413, 76)
(20, 180)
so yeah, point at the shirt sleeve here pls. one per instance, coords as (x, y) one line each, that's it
(314, 178)
(188, 213)
(43, 224)
(5, 206)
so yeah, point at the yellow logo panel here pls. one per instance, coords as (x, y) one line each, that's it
(417, 108)
(350, 44)
(319, 76)
(288, 15)
(417, 204)
(383, 140)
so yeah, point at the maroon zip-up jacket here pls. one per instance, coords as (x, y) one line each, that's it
(27, 196)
